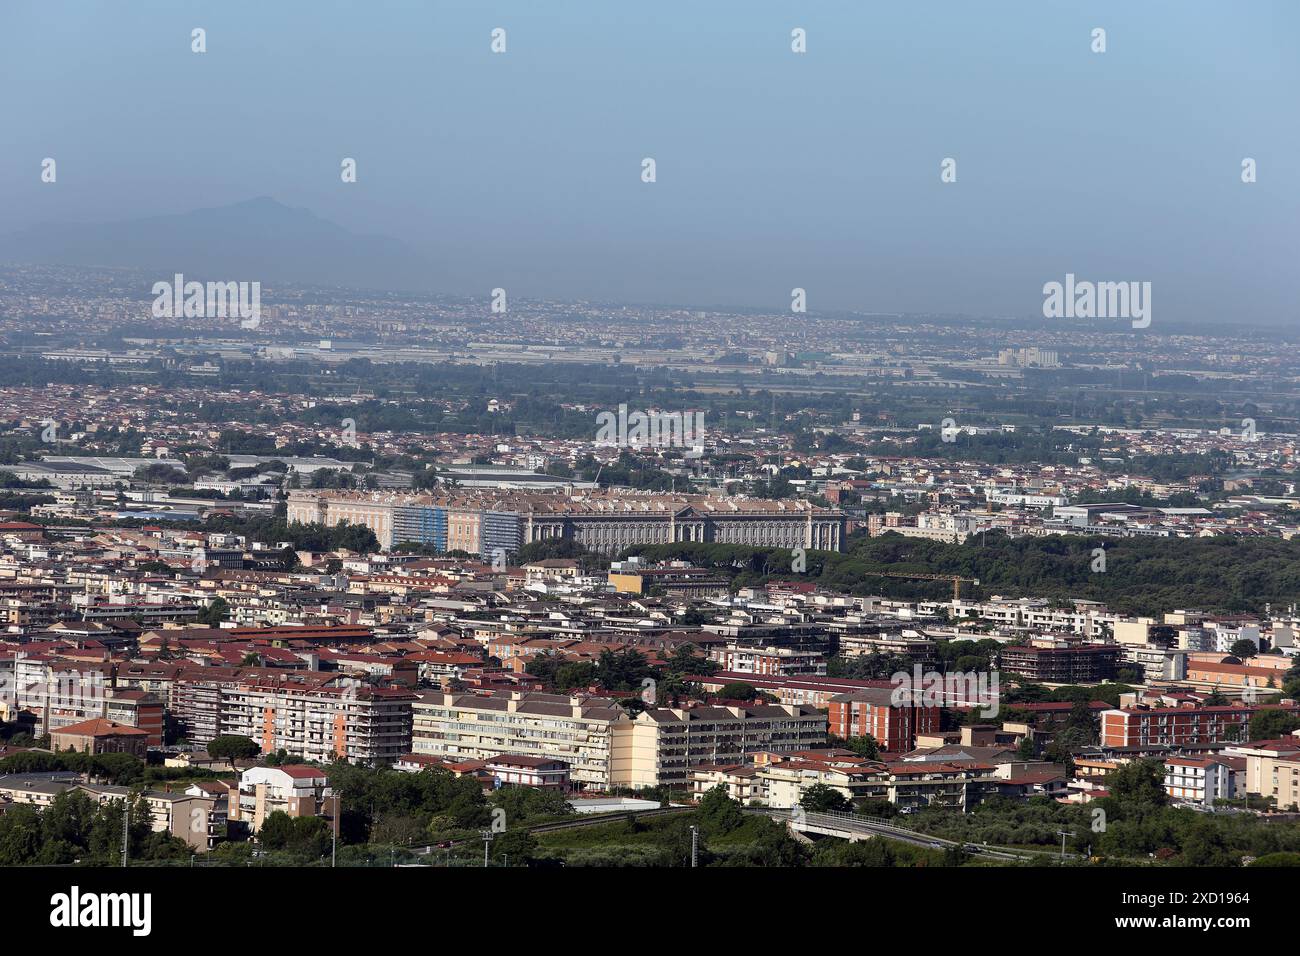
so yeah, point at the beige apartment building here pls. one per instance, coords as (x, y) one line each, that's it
(1272, 770)
(662, 744)
(554, 726)
(199, 821)
(1277, 777)
(604, 747)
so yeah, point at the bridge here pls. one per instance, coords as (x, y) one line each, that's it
(853, 827)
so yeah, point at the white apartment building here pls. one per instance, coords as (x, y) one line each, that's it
(360, 724)
(1224, 635)
(1085, 618)
(299, 791)
(769, 661)
(1200, 780)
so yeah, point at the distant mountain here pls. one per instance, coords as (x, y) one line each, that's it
(257, 240)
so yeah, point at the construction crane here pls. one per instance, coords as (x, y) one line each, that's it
(955, 579)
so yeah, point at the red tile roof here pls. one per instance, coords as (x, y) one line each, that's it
(101, 727)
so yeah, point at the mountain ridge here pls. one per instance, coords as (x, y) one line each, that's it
(256, 239)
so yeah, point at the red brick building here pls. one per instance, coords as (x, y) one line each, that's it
(1175, 726)
(872, 711)
(140, 709)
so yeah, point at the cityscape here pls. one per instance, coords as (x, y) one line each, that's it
(316, 560)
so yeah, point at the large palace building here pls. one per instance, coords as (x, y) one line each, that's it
(605, 521)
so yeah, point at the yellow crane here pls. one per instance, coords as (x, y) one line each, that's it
(954, 578)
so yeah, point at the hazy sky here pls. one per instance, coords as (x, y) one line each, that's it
(775, 169)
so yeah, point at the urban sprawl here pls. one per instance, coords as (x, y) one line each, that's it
(596, 585)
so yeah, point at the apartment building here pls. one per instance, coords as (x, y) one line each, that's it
(603, 746)
(1080, 664)
(60, 692)
(1203, 780)
(1272, 769)
(1232, 678)
(37, 788)
(199, 821)
(1084, 619)
(783, 781)
(957, 785)
(948, 528)
(513, 770)
(137, 708)
(682, 582)
(872, 711)
(1176, 726)
(661, 745)
(1157, 663)
(358, 723)
(578, 732)
(56, 690)
(770, 661)
(1226, 633)
(297, 790)
(195, 701)
(741, 782)
(1280, 780)
(816, 690)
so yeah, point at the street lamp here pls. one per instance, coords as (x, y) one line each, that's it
(1063, 834)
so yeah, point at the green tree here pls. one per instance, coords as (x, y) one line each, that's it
(1137, 784)
(772, 845)
(718, 813)
(1271, 723)
(524, 805)
(20, 835)
(874, 852)
(68, 818)
(517, 846)
(397, 828)
(233, 747)
(1243, 649)
(738, 690)
(1203, 845)
(819, 798)
(864, 746)
(216, 612)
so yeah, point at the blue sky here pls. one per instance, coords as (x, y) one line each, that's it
(775, 169)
